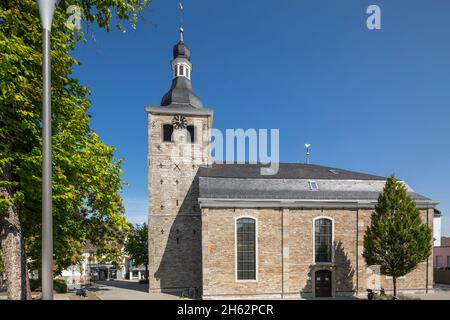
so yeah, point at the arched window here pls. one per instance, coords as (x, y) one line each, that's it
(323, 240)
(246, 249)
(192, 134)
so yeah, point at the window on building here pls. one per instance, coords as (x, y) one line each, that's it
(246, 249)
(167, 132)
(439, 262)
(448, 261)
(323, 240)
(192, 132)
(181, 70)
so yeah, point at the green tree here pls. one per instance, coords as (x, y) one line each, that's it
(86, 175)
(397, 240)
(136, 246)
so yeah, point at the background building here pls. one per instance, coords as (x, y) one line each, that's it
(91, 269)
(441, 261)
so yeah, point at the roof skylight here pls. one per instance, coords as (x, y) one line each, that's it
(313, 185)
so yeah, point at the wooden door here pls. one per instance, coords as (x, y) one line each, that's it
(323, 283)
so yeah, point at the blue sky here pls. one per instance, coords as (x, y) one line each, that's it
(371, 101)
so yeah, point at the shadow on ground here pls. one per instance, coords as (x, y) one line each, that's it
(122, 284)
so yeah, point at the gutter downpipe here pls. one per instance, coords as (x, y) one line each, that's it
(282, 253)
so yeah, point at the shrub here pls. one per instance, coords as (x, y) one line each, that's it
(59, 286)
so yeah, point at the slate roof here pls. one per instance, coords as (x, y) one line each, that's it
(213, 188)
(285, 171)
(181, 93)
(243, 181)
(180, 50)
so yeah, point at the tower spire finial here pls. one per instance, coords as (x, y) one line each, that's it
(181, 21)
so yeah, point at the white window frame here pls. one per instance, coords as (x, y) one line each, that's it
(175, 71)
(256, 251)
(310, 182)
(186, 70)
(314, 240)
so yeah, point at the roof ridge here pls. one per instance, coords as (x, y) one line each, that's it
(285, 171)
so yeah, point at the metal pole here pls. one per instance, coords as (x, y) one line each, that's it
(307, 145)
(47, 218)
(307, 155)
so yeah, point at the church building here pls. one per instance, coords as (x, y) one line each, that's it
(224, 231)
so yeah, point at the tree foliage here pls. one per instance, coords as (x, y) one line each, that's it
(2, 269)
(86, 174)
(397, 240)
(136, 245)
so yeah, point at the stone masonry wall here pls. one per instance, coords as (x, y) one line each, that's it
(285, 254)
(174, 214)
(416, 281)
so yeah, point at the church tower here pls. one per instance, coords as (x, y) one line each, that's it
(179, 142)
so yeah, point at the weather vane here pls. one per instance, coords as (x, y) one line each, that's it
(307, 145)
(181, 20)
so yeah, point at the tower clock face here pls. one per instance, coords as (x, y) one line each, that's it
(179, 122)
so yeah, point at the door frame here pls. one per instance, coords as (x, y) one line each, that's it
(332, 269)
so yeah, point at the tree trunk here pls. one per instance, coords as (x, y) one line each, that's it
(13, 252)
(394, 282)
(146, 271)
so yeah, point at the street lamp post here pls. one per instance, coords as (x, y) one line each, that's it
(46, 10)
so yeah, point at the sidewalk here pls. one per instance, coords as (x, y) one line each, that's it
(441, 292)
(126, 290)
